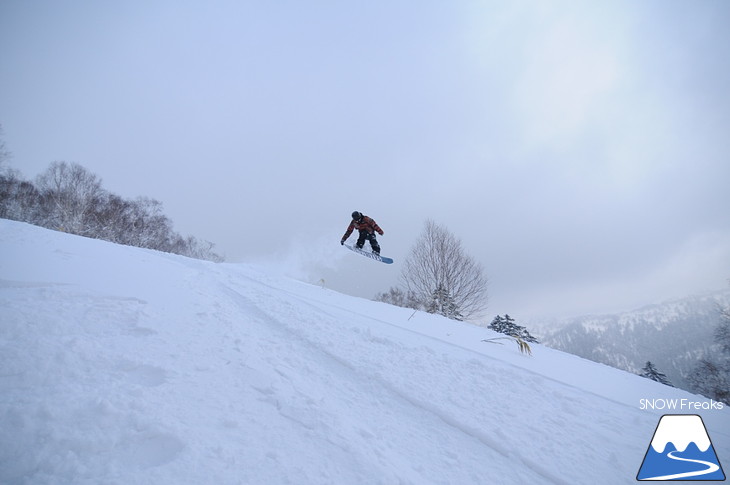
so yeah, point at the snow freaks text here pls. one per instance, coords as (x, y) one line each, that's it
(680, 405)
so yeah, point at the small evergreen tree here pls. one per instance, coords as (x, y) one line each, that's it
(507, 326)
(442, 303)
(503, 325)
(650, 372)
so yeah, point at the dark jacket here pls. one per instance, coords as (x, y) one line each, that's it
(364, 224)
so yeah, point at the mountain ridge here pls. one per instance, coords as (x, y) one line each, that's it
(673, 335)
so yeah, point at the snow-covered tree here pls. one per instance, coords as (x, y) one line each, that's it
(19, 200)
(70, 195)
(507, 326)
(442, 303)
(711, 376)
(650, 372)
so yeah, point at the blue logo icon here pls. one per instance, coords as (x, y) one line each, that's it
(681, 450)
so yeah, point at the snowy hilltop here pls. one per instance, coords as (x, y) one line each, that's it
(127, 365)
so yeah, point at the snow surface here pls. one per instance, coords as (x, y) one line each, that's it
(121, 365)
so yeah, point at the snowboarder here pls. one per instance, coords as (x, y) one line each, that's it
(367, 228)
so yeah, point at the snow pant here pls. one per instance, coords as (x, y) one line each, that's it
(370, 236)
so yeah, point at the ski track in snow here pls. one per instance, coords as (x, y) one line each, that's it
(120, 365)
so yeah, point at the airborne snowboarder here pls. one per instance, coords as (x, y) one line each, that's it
(367, 227)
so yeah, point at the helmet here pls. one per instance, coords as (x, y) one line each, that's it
(356, 216)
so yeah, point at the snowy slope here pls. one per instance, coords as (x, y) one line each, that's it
(123, 365)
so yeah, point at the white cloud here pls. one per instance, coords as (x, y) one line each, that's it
(569, 72)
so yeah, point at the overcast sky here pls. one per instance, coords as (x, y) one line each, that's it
(579, 150)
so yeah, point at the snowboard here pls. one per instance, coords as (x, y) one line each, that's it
(369, 254)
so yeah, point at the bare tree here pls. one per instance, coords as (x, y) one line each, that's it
(398, 297)
(438, 265)
(70, 198)
(71, 194)
(19, 200)
(4, 153)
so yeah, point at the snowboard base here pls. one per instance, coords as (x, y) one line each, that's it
(369, 254)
